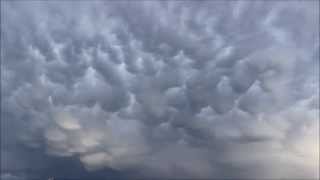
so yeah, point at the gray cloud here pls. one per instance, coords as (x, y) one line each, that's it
(161, 89)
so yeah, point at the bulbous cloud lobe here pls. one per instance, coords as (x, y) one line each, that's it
(163, 89)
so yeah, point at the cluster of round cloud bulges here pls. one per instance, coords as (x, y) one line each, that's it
(166, 89)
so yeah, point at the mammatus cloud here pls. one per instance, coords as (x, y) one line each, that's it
(163, 89)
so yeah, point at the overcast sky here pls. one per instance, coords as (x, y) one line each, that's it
(165, 89)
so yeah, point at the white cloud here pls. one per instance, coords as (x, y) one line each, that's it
(183, 89)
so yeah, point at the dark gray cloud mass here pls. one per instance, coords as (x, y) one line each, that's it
(167, 89)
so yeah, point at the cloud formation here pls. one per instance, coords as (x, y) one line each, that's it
(163, 89)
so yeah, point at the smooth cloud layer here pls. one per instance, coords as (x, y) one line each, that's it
(165, 89)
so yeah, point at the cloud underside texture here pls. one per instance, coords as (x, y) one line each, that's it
(162, 89)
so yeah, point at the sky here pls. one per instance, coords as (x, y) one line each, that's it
(159, 89)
